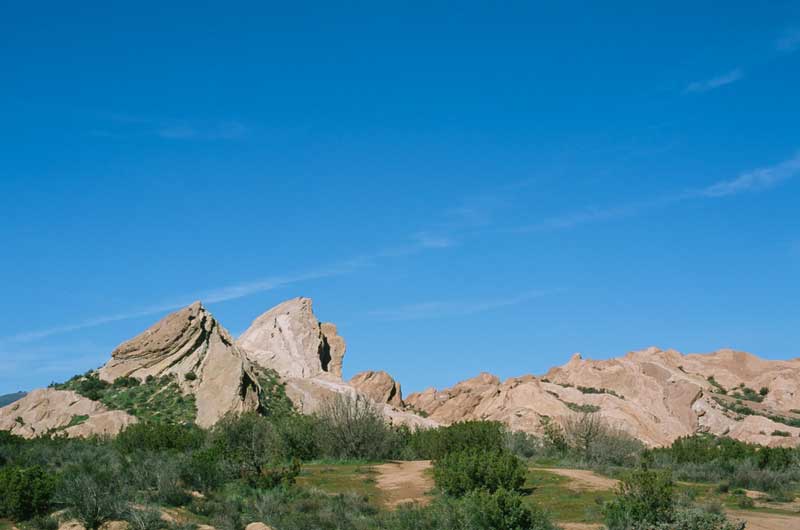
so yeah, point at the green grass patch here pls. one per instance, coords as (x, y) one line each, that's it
(338, 478)
(156, 399)
(551, 492)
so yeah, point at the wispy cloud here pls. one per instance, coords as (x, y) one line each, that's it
(450, 308)
(755, 180)
(715, 82)
(122, 125)
(223, 131)
(434, 240)
(751, 181)
(230, 292)
(789, 41)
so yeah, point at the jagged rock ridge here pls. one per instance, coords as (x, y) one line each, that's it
(652, 394)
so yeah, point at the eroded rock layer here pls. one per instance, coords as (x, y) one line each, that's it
(200, 354)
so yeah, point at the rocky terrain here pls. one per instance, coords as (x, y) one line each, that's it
(654, 395)
(189, 359)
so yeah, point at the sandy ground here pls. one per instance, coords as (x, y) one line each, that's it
(583, 479)
(766, 521)
(403, 482)
(581, 526)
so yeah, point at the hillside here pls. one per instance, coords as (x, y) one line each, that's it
(7, 399)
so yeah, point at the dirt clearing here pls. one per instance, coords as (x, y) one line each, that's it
(766, 521)
(403, 482)
(582, 479)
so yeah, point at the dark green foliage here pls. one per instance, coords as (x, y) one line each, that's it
(458, 473)
(706, 458)
(433, 444)
(582, 408)
(750, 395)
(159, 437)
(190, 376)
(248, 447)
(716, 385)
(272, 397)
(501, 510)
(25, 492)
(644, 500)
(780, 433)
(593, 390)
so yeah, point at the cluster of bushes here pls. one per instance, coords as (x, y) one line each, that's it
(154, 399)
(706, 458)
(646, 500)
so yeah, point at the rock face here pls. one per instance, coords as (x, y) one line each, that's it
(61, 411)
(308, 356)
(194, 348)
(652, 394)
(289, 339)
(378, 386)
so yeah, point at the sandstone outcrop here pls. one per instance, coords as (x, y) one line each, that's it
(378, 386)
(654, 395)
(290, 340)
(63, 412)
(200, 354)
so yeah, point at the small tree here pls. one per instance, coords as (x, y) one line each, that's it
(353, 428)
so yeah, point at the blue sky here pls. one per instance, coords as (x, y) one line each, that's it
(480, 188)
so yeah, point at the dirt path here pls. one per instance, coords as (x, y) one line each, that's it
(583, 479)
(766, 521)
(403, 482)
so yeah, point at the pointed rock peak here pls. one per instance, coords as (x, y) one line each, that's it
(290, 340)
(576, 357)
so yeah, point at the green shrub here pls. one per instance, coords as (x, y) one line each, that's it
(146, 436)
(25, 492)
(248, 447)
(644, 499)
(458, 473)
(433, 444)
(501, 510)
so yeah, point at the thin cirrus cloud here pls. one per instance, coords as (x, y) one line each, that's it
(223, 294)
(760, 179)
(452, 308)
(708, 85)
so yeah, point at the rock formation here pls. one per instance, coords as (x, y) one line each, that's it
(654, 395)
(289, 339)
(194, 348)
(63, 412)
(378, 386)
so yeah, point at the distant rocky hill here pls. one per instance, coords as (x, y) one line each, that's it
(7, 399)
(187, 367)
(654, 395)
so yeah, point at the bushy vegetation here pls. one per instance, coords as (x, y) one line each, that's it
(646, 500)
(706, 458)
(158, 399)
(461, 472)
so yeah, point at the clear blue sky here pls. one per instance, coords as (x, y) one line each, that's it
(461, 188)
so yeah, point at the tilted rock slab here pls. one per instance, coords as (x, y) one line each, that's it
(49, 410)
(290, 340)
(378, 386)
(191, 341)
